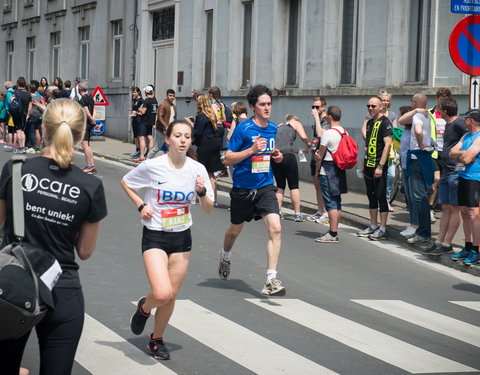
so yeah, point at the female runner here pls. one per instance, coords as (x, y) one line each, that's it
(171, 181)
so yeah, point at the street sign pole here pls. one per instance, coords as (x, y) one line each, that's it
(474, 92)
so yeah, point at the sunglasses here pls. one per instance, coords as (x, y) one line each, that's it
(371, 106)
(315, 107)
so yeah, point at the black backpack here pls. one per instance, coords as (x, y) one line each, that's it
(15, 107)
(228, 115)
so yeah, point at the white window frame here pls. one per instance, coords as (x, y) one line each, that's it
(10, 51)
(117, 43)
(84, 41)
(56, 48)
(292, 61)
(30, 57)
(349, 78)
(418, 42)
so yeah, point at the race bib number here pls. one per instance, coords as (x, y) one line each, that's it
(175, 217)
(261, 163)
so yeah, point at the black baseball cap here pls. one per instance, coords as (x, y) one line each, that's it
(473, 114)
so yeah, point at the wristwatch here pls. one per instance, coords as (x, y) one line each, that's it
(380, 166)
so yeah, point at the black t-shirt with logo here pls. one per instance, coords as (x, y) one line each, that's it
(151, 106)
(376, 131)
(57, 203)
(87, 101)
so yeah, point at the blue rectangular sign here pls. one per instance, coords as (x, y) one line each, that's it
(465, 6)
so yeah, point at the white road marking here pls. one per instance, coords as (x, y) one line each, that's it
(367, 340)
(239, 344)
(427, 319)
(102, 351)
(474, 305)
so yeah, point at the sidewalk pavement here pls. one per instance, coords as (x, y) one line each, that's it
(354, 205)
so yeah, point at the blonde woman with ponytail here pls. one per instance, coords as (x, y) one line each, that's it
(208, 139)
(63, 217)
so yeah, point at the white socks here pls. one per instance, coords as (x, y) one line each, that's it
(271, 274)
(226, 255)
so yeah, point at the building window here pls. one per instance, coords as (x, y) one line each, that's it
(418, 43)
(117, 42)
(293, 45)
(7, 6)
(164, 24)
(84, 34)
(208, 49)
(30, 57)
(28, 3)
(348, 72)
(10, 60)
(247, 42)
(55, 53)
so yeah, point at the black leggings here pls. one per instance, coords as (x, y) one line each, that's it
(285, 171)
(376, 189)
(58, 336)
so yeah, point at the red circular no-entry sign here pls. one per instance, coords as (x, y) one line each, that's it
(464, 45)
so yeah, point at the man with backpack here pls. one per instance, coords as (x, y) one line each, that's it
(331, 175)
(20, 107)
(377, 149)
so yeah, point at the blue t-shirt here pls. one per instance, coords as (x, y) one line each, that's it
(472, 170)
(254, 171)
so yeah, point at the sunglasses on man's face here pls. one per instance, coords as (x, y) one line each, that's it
(315, 107)
(371, 106)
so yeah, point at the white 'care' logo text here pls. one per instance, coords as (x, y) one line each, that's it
(31, 183)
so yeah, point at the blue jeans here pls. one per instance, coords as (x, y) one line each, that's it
(159, 138)
(420, 199)
(408, 196)
(331, 202)
(390, 177)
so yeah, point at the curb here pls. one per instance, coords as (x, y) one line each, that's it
(347, 218)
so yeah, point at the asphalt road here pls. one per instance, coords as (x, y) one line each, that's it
(357, 307)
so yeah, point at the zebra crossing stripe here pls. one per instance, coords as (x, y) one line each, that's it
(474, 305)
(102, 351)
(239, 344)
(364, 339)
(427, 319)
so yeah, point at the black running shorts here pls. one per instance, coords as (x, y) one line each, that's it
(170, 242)
(248, 204)
(468, 192)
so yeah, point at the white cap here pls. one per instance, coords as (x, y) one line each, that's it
(148, 90)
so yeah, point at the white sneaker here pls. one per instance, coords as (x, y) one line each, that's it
(30, 150)
(323, 219)
(408, 232)
(315, 216)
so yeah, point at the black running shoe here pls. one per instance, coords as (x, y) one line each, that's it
(139, 318)
(157, 348)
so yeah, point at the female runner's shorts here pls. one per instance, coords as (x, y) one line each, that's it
(170, 242)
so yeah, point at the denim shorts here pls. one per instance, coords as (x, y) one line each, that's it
(448, 189)
(331, 203)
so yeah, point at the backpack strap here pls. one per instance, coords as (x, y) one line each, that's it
(341, 134)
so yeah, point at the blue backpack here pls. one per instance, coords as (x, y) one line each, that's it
(15, 107)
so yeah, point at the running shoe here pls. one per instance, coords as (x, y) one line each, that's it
(139, 159)
(20, 150)
(157, 348)
(378, 235)
(299, 218)
(135, 154)
(366, 232)
(438, 249)
(323, 219)
(90, 169)
(274, 288)
(224, 268)
(139, 318)
(473, 257)
(416, 239)
(327, 238)
(315, 216)
(408, 232)
(30, 150)
(461, 255)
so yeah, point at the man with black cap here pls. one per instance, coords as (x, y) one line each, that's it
(467, 152)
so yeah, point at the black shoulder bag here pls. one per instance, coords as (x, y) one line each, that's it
(24, 296)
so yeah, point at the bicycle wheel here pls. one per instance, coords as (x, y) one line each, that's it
(397, 182)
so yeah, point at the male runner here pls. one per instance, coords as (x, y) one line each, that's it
(251, 150)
